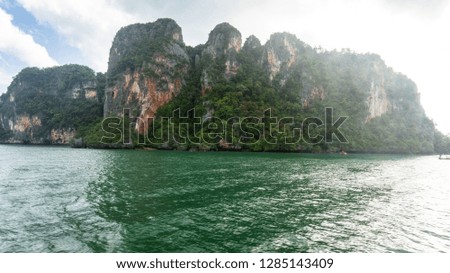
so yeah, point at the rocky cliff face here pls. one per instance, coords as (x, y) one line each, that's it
(389, 92)
(40, 103)
(285, 59)
(149, 64)
(224, 43)
(281, 53)
(147, 67)
(378, 102)
(221, 49)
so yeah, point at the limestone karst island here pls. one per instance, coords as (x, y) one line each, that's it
(153, 75)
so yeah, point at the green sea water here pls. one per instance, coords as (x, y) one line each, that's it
(56, 199)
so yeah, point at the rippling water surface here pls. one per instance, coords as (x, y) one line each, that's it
(70, 200)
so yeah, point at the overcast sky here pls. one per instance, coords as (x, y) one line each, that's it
(412, 36)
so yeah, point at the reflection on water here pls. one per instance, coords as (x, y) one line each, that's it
(66, 200)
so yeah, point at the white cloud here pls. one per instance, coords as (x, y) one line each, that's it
(21, 45)
(89, 26)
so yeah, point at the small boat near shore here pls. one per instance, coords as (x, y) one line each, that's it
(444, 157)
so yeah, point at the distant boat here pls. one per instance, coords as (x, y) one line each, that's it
(444, 157)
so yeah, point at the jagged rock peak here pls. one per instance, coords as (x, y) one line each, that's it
(223, 39)
(281, 50)
(285, 44)
(163, 27)
(252, 42)
(147, 66)
(138, 42)
(280, 36)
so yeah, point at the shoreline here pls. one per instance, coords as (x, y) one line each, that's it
(132, 147)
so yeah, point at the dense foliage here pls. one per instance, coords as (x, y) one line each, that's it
(441, 143)
(341, 80)
(234, 107)
(56, 96)
(345, 78)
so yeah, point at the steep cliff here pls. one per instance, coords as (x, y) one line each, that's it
(46, 106)
(147, 67)
(151, 74)
(295, 80)
(221, 49)
(281, 52)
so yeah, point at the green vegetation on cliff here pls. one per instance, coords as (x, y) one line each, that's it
(58, 98)
(341, 80)
(228, 86)
(234, 91)
(441, 143)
